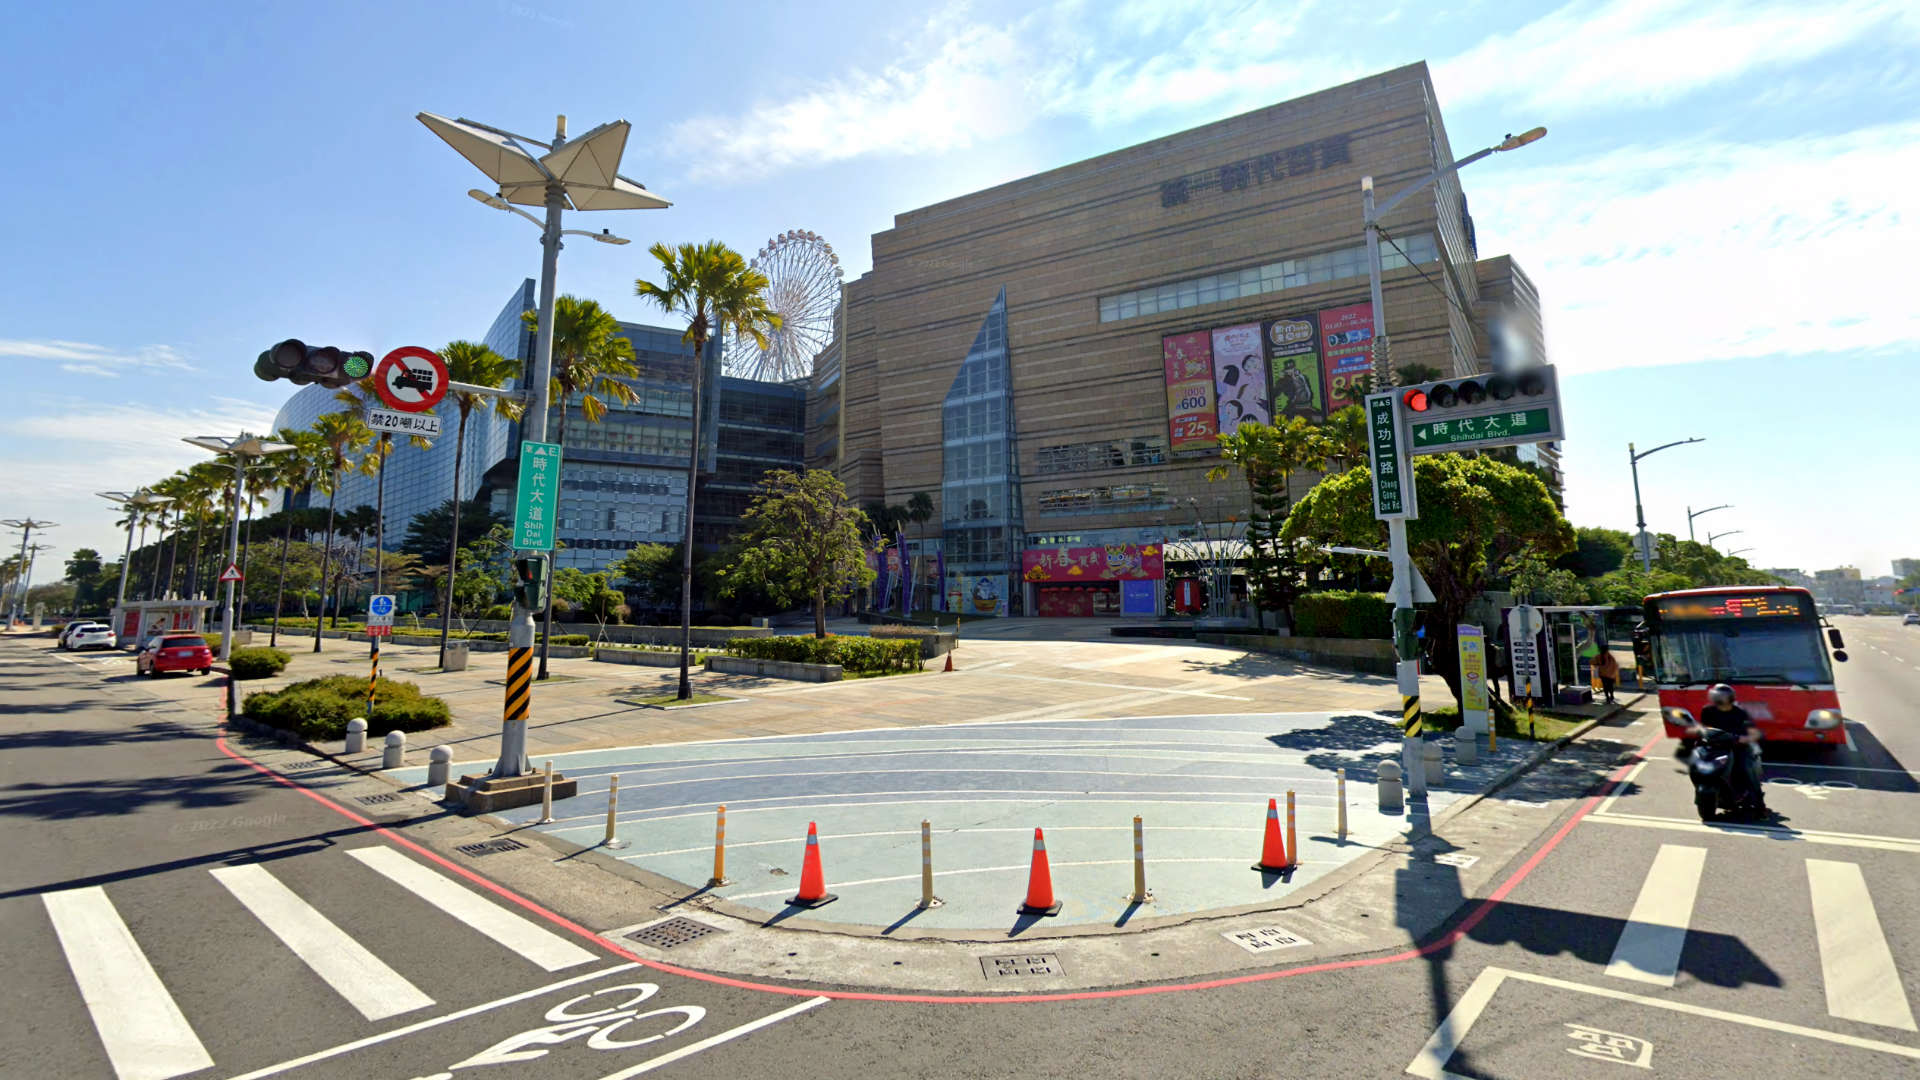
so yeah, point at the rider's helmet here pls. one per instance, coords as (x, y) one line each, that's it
(1721, 695)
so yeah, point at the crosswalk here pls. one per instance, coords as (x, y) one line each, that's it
(147, 1035)
(1858, 971)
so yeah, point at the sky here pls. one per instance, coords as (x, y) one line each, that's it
(1722, 223)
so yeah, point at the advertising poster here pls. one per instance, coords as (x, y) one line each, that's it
(1113, 562)
(1346, 340)
(1239, 377)
(1192, 421)
(1293, 354)
(985, 594)
(1136, 598)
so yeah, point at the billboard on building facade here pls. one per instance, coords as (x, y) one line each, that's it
(1240, 377)
(978, 594)
(1112, 562)
(1346, 339)
(1293, 354)
(1192, 421)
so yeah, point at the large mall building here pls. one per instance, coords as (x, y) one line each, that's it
(1054, 359)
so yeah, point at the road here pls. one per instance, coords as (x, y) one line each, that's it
(1626, 934)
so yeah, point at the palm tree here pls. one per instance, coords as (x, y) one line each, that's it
(292, 470)
(714, 288)
(589, 360)
(1346, 431)
(919, 511)
(343, 433)
(474, 365)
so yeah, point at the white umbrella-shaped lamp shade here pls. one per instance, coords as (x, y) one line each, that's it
(506, 160)
(587, 167)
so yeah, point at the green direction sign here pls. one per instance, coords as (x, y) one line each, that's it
(1480, 429)
(1383, 442)
(537, 499)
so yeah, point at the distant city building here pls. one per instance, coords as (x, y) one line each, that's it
(1791, 576)
(1841, 585)
(1905, 568)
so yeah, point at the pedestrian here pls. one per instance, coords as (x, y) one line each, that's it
(1607, 666)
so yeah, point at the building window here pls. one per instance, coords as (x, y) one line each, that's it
(1116, 498)
(1272, 277)
(1085, 457)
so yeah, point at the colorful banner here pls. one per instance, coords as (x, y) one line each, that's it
(1192, 421)
(1346, 339)
(1114, 562)
(1136, 598)
(1240, 377)
(1293, 352)
(985, 594)
(1473, 668)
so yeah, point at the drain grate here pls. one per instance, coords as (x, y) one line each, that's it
(675, 931)
(1026, 964)
(490, 847)
(378, 800)
(303, 766)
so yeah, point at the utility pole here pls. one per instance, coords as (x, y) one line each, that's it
(26, 527)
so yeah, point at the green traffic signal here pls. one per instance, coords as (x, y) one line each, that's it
(358, 365)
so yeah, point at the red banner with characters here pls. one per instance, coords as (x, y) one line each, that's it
(1114, 562)
(1346, 340)
(1192, 422)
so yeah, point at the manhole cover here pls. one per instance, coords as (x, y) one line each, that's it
(1024, 965)
(1265, 939)
(490, 847)
(378, 800)
(675, 931)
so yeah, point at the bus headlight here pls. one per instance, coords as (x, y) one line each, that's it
(1824, 718)
(1676, 716)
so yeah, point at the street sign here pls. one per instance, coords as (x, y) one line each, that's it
(379, 611)
(1392, 484)
(535, 497)
(1480, 412)
(1500, 429)
(231, 573)
(379, 631)
(1643, 545)
(1422, 592)
(425, 425)
(1473, 677)
(411, 379)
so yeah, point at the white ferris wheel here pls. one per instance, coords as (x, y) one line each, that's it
(803, 288)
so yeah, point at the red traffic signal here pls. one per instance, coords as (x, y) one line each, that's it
(1415, 400)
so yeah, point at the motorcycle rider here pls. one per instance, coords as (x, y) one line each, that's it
(1721, 712)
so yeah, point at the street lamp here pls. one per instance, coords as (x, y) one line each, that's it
(1639, 515)
(1692, 513)
(1711, 537)
(26, 527)
(1738, 551)
(582, 174)
(135, 502)
(239, 449)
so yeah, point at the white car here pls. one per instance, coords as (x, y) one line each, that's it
(88, 636)
(1912, 619)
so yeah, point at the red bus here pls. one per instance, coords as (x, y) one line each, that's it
(1764, 641)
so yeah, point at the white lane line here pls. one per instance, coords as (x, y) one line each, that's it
(1022, 867)
(1431, 1062)
(1767, 832)
(711, 1041)
(1862, 982)
(538, 944)
(368, 984)
(1120, 686)
(1847, 730)
(1633, 774)
(396, 1033)
(1773, 766)
(1649, 947)
(145, 1034)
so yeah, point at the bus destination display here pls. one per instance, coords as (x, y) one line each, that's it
(1763, 605)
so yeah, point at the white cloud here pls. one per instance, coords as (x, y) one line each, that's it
(1698, 250)
(89, 359)
(89, 369)
(1643, 52)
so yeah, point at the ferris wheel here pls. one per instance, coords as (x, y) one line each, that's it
(803, 288)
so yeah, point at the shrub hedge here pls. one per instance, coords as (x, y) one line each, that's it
(857, 655)
(320, 708)
(257, 663)
(896, 630)
(1343, 613)
(498, 611)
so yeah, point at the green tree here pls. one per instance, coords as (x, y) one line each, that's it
(476, 365)
(1475, 514)
(717, 292)
(83, 569)
(1629, 585)
(343, 434)
(653, 571)
(1268, 455)
(1416, 373)
(430, 531)
(1536, 581)
(800, 542)
(294, 471)
(1346, 432)
(1596, 551)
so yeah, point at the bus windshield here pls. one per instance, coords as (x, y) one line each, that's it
(1741, 650)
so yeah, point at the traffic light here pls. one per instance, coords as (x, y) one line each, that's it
(302, 364)
(530, 583)
(1478, 392)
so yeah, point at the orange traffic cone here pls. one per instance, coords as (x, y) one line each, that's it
(1040, 899)
(813, 883)
(949, 666)
(1273, 852)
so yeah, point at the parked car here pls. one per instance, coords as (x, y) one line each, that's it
(72, 628)
(173, 652)
(89, 636)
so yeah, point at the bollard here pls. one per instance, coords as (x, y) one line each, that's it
(439, 763)
(719, 877)
(1493, 743)
(927, 899)
(1433, 764)
(396, 754)
(1140, 893)
(1340, 786)
(1413, 772)
(1293, 846)
(1466, 748)
(613, 803)
(546, 797)
(356, 735)
(1390, 799)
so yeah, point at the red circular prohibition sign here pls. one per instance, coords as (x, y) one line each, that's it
(401, 381)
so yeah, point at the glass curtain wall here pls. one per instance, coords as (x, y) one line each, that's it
(980, 483)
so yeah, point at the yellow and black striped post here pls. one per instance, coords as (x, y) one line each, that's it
(519, 683)
(373, 679)
(1410, 712)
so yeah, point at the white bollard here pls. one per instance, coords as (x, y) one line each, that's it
(1434, 764)
(439, 763)
(613, 807)
(1341, 798)
(546, 797)
(1390, 798)
(396, 754)
(1466, 746)
(1412, 770)
(356, 735)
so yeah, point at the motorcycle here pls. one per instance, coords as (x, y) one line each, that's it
(1718, 783)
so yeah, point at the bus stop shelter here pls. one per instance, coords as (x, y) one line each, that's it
(137, 620)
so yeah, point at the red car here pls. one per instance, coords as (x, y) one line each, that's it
(173, 652)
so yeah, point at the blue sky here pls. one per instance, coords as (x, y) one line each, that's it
(1722, 223)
